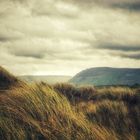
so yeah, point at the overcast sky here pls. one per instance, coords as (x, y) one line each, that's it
(63, 37)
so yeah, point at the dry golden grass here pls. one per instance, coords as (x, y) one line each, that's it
(66, 112)
(37, 112)
(114, 108)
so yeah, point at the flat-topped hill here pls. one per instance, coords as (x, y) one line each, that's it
(107, 76)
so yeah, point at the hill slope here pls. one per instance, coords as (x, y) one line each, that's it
(107, 76)
(6, 79)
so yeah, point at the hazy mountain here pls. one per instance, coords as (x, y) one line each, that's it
(107, 76)
(46, 78)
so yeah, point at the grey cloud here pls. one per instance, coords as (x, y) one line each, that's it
(133, 5)
(14, 9)
(43, 49)
(128, 6)
(115, 50)
(32, 55)
(3, 39)
(119, 47)
(54, 34)
(55, 9)
(131, 56)
(9, 38)
(8, 34)
(69, 8)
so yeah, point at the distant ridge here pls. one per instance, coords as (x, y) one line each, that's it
(7, 79)
(50, 79)
(100, 76)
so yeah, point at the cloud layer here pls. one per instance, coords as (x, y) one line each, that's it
(64, 37)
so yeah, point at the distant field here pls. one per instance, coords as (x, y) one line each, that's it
(45, 78)
(39, 111)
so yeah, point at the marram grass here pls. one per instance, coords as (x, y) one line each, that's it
(66, 112)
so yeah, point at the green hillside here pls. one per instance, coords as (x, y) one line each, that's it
(107, 76)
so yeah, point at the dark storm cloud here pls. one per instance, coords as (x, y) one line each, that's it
(115, 50)
(6, 39)
(3, 39)
(132, 5)
(119, 47)
(36, 56)
(131, 56)
(128, 6)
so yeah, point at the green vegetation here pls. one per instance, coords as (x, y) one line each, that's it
(30, 111)
(107, 76)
